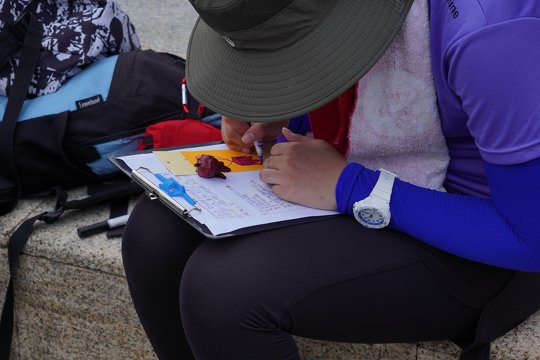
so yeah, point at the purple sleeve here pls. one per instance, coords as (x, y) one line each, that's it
(503, 231)
(496, 73)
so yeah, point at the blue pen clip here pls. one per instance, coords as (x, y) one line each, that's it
(173, 188)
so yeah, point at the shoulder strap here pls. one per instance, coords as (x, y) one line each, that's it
(28, 62)
(16, 244)
(13, 36)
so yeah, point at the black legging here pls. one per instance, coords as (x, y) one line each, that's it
(242, 298)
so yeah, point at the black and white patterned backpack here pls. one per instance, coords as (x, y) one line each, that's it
(75, 34)
(43, 44)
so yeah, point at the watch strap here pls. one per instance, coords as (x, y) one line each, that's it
(383, 188)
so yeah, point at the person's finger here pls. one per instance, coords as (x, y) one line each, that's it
(270, 162)
(290, 136)
(256, 132)
(263, 131)
(284, 148)
(232, 131)
(233, 126)
(234, 146)
(270, 176)
(279, 191)
(293, 142)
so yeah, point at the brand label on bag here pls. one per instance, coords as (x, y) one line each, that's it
(84, 103)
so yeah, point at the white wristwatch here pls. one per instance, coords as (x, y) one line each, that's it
(374, 211)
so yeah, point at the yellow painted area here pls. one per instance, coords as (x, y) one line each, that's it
(225, 156)
(183, 162)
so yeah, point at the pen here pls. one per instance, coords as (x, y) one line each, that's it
(102, 226)
(259, 145)
(259, 149)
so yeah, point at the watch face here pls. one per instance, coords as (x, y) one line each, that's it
(372, 217)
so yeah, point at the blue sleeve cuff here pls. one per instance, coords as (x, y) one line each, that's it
(355, 183)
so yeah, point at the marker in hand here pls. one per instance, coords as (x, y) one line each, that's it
(259, 145)
(259, 149)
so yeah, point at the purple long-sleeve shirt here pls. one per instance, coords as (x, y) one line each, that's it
(486, 65)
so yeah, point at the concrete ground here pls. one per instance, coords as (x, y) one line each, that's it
(163, 25)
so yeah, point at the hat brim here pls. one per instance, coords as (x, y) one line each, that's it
(265, 86)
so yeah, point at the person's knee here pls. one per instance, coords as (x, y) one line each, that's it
(155, 239)
(138, 238)
(223, 291)
(132, 237)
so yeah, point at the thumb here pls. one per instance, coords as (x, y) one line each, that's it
(255, 132)
(290, 136)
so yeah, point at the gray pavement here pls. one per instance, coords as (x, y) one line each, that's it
(163, 25)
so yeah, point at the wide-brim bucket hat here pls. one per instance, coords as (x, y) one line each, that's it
(268, 60)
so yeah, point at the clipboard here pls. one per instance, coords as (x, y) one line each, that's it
(154, 192)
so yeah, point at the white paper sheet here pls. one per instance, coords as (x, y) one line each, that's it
(241, 200)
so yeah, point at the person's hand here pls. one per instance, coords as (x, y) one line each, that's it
(240, 135)
(304, 170)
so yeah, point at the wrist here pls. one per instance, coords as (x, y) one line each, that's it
(355, 183)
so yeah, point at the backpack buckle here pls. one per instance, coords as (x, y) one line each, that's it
(51, 216)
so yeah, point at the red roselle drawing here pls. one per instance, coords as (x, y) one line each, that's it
(245, 160)
(209, 167)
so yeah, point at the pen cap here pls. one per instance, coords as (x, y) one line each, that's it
(89, 230)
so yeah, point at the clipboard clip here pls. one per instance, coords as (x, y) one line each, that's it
(168, 186)
(173, 188)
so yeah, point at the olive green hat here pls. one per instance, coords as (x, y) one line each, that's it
(268, 60)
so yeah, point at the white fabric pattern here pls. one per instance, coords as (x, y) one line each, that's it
(395, 123)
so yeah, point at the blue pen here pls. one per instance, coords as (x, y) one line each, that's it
(174, 188)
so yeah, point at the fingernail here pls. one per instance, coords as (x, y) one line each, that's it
(285, 130)
(248, 138)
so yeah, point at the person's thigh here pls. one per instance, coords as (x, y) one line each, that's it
(406, 304)
(330, 279)
(155, 248)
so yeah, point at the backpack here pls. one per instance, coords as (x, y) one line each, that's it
(64, 138)
(74, 34)
(43, 43)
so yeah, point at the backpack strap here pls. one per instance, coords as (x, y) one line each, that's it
(13, 36)
(16, 245)
(28, 62)
(20, 237)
